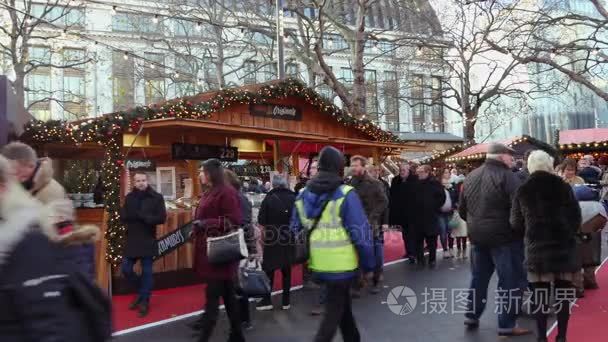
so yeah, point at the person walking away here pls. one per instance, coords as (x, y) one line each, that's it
(447, 212)
(35, 297)
(590, 244)
(274, 215)
(524, 173)
(430, 197)
(218, 213)
(143, 210)
(374, 200)
(340, 244)
(36, 177)
(401, 213)
(550, 240)
(485, 205)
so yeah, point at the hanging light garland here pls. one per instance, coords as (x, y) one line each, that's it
(107, 131)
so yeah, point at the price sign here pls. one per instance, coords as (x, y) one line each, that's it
(202, 152)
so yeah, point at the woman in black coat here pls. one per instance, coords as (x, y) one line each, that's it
(275, 214)
(546, 212)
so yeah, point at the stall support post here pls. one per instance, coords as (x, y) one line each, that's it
(193, 173)
(376, 156)
(276, 155)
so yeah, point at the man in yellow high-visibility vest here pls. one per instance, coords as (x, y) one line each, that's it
(340, 242)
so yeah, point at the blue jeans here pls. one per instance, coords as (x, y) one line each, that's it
(506, 260)
(378, 257)
(444, 232)
(144, 282)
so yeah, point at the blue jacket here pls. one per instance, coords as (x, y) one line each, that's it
(355, 222)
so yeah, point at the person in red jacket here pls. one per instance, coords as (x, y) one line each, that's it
(218, 211)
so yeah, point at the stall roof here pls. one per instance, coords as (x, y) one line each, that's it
(430, 136)
(582, 140)
(480, 150)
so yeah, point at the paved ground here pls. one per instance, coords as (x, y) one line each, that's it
(376, 321)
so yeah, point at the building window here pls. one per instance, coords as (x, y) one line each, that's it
(154, 80)
(250, 72)
(292, 70)
(437, 117)
(346, 76)
(123, 88)
(269, 72)
(39, 83)
(187, 28)
(334, 42)
(130, 22)
(58, 15)
(185, 81)
(391, 100)
(417, 97)
(74, 77)
(210, 74)
(371, 95)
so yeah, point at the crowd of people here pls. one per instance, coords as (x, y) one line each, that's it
(533, 223)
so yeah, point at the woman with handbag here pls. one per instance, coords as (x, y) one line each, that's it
(219, 213)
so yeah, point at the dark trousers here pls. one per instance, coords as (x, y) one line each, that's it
(461, 243)
(541, 293)
(338, 313)
(506, 260)
(244, 313)
(226, 290)
(431, 243)
(408, 241)
(142, 283)
(286, 277)
(378, 257)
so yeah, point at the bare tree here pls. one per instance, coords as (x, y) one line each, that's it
(571, 42)
(470, 78)
(23, 42)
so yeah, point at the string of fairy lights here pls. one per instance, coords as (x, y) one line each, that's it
(107, 131)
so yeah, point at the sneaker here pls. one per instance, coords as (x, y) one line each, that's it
(465, 254)
(412, 261)
(286, 307)
(264, 305)
(446, 254)
(144, 308)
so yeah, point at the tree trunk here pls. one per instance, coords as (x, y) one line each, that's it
(469, 128)
(358, 90)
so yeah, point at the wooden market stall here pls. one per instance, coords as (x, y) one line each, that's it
(576, 143)
(268, 123)
(476, 154)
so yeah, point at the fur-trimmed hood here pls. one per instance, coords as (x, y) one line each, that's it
(19, 213)
(45, 188)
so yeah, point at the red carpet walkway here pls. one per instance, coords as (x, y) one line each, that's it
(590, 313)
(170, 303)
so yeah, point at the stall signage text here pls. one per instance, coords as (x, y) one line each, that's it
(201, 152)
(141, 165)
(276, 111)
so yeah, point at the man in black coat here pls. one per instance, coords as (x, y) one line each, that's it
(430, 196)
(485, 204)
(400, 207)
(144, 209)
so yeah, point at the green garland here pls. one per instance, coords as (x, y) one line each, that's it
(108, 129)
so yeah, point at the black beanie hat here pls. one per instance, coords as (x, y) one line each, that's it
(331, 160)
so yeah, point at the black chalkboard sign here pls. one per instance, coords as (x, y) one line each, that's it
(202, 152)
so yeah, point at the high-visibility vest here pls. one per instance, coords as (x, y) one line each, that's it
(331, 248)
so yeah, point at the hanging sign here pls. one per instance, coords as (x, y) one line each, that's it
(251, 170)
(276, 111)
(141, 165)
(202, 152)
